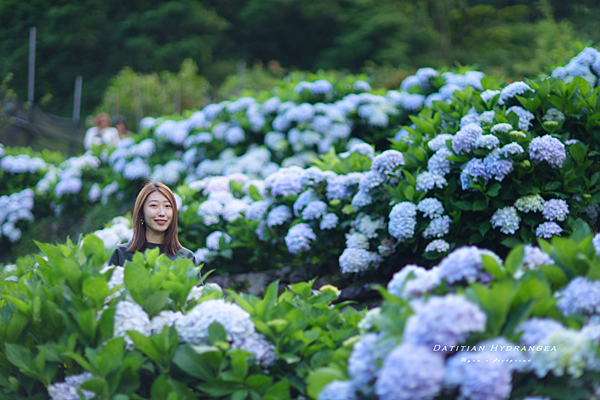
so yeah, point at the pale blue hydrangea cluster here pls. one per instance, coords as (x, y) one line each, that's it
(535, 330)
(506, 219)
(466, 138)
(68, 390)
(553, 115)
(193, 328)
(422, 79)
(534, 257)
(444, 319)
(438, 227)
(439, 141)
(22, 164)
(512, 90)
(431, 207)
(410, 372)
(438, 246)
(368, 225)
(354, 260)
(489, 94)
(463, 263)
(530, 203)
(586, 64)
(129, 316)
(214, 239)
(338, 390)
(501, 128)
(511, 149)
(403, 220)
(580, 296)
(362, 363)
(15, 207)
(555, 210)
(487, 142)
(525, 117)
(596, 243)
(549, 149)
(477, 379)
(426, 181)
(387, 161)
(413, 281)
(279, 215)
(299, 238)
(548, 229)
(329, 221)
(318, 87)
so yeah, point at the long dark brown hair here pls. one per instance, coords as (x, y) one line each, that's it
(138, 242)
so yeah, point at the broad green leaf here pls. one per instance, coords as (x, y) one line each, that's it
(279, 391)
(259, 383)
(216, 333)
(193, 363)
(318, 379)
(96, 289)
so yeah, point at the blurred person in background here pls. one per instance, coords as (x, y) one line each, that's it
(101, 133)
(120, 123)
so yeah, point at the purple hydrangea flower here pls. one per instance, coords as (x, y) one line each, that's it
(506, 219)
(525, 117)
(338, 390)
(474, 169)
(535, 330)
(446, 320)
(431, 207)
(438, 227)
(547, 148)
(439, 141)
(387, 161)
(581, 296)
(548, 229)
(438, 163)
(329, 221)
(299, 238)
(463, 263)
(465, 139)
(410, 372)
(278, 216)
(403, 220)
(555, 210)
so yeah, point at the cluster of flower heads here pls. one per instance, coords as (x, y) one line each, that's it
(66, 179)
(586, 65)
(68, 390)
(15, 207)
(118, 232)
(21, 164)
(193, 327)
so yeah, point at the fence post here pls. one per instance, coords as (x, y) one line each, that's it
(76, 111)
(31, 79)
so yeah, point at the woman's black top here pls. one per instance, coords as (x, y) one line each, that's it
(121, 254)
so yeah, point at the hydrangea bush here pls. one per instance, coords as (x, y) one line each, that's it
(477, 327)
(73, 326)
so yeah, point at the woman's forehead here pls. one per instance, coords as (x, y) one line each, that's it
(157, 197)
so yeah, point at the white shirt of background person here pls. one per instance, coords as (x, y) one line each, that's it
(102, 133)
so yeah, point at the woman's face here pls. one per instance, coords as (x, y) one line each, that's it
(158, 214)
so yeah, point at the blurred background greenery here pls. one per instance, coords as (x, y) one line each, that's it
(158, 57)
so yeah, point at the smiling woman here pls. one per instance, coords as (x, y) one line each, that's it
(154, 225)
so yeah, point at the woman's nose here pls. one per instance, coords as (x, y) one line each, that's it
(161, 210)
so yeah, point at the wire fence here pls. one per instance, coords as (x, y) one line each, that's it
(24, 124)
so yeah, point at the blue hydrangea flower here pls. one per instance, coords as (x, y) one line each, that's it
(478, 379)
(496, 166)
(465, 139)
(533, 203)
(396, 285)
(431, 207)
(410, 372)
(338, 390)
(67, 390)
(321, 87)
(387, 161)
(506, 219)
(534, 257)
(314, 210)
(257, 210)
(446, 320)
(361, 199)
(555, 210)
(329, 221)
(299, 237)
(370, 180)
(547, 148)
(488, 94)
(358, 260)
(362, 363)
(535, 330)
(511, 149)
(374, 115)
(438, 163)
(501, 128)
(470, 118)
(362, 86)
(488, 117)
(339, 131)
(487, 142)
(410, 102)
(581, 296)
(548, 229)
(596, 243)
(368, 226)
(409, 82)
(403, 220)
(473, 170)
(439, 141)
(427, 181)
(357, 240)
(279, 215)
(413, 280)
(212, 240)
(363, 148)
(574, 353)
(438, 227)
(512, 90)
(463, 263)
(525, 117)
(438, 246)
